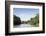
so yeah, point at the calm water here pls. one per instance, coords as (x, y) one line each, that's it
(23, 25)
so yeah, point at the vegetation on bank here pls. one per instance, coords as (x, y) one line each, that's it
(34, 20)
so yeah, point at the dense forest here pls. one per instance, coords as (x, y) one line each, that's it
(32, 21)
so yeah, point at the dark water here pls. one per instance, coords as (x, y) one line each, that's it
(23, 25)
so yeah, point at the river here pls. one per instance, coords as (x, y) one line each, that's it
(23, 25)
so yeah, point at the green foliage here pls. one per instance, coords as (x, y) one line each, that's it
(34, 20)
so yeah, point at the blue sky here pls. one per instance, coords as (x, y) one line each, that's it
(25, 13)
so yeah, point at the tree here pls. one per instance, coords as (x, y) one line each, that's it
(34, 20)
(17, 20)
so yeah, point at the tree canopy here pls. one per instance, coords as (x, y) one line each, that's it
(17, 20)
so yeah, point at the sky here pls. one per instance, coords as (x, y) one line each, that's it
(25, 13)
